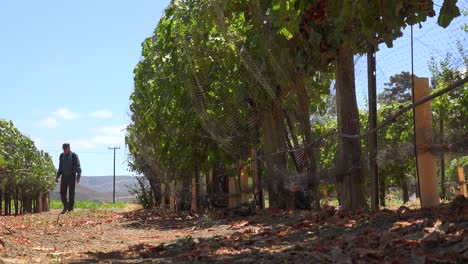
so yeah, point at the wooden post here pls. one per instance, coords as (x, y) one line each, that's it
(39, 202)
(461, 179)
(257, 180)
(372, 94)
(172, 197)
(210, 187)
(232, 192)
(424, 140)
(193, 205)
(181, 197)
(46, 202)
(244, 184)
(163, 196)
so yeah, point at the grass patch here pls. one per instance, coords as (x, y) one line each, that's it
(56, 204)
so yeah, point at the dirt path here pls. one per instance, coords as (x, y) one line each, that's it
(330, 236)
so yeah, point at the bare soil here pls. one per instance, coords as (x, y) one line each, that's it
(131, 235)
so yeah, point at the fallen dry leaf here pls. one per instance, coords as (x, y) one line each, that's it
(247, 231)
(240, 224)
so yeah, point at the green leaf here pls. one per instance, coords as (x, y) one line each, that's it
(285, 32)
(448, 12)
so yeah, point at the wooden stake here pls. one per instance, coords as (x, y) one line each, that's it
(210, 187)
(461, 179)
(244, 182)
(172, 197)
(39, 202)
(179, 194)
(163, 196)
(194, 194)
(232, 192)
(424, 140)
(257, 180)
(372, 95)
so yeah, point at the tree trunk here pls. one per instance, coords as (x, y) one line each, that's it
(220, 187)
(405, 191)
(274, 146)
(45, 202)
(257, 179)
(7, 202)
(349, 150)
(10, 196)
(195, 190)
(310, 164)
(156, 192)
(186, 195)
(16, 201)
(382, 191)
(39, 203)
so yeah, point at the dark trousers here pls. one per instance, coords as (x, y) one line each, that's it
(65, 184)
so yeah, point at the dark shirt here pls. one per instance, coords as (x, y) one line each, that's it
(69, 166)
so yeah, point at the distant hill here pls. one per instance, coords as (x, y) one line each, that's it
(99, 189)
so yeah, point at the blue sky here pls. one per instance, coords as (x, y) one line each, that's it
(66, 72)
(430, 40)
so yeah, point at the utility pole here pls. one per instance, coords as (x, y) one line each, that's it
(113, 192)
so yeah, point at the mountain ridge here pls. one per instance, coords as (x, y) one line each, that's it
(99, 189)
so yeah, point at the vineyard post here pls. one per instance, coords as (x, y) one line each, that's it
(244, 183)
(424, 139)
(372, 94)
(462, 180)
(163, 196)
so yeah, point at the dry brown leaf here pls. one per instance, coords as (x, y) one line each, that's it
(239, 224)
(403, 211)
(247, 231)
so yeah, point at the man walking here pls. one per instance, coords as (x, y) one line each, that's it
(70, 170)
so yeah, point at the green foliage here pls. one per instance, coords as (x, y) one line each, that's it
(451, 108)
(143, 193)
(465, 26)
(22, 166)
(57, 204)
(213, 70)
(448, 12)
(452, 170)
(398, 90)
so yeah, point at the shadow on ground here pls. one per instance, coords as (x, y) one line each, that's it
(329, 236)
